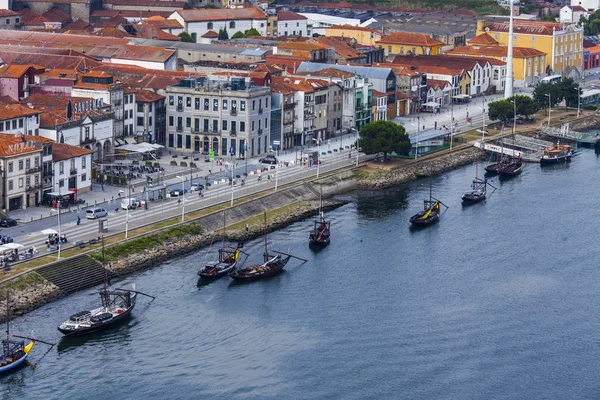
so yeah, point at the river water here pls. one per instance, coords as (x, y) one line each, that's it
(498, 300)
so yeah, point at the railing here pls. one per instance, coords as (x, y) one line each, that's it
(260, 110)
(233, 111)
(233, 132)
(260, 131)
(31, 188)
(73, 171)
(179, 128)
(180, 108)
(33, 170)
(88, 140)
(309, 115)
(48, 174)
(118, 102)
(288, 106)
(289, 121)
(47, 183)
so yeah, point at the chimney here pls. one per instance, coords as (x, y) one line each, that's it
(480, 25)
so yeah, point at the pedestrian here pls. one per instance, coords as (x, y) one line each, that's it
(246, 227)
(78, 220)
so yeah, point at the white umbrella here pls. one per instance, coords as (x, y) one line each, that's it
(49, 232)
(13, 246)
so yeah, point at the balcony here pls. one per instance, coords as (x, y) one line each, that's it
(118, 102)
(88, 140)
(73, 171)
(233, 132)
(179, 128)
(260, 110)
(180, 107)
(260, 131)
(309, 115)
(310, 103)
(289, 106)
(48, 174)
(47, 183)
(233, 111)
(33, 170)
(33, 188)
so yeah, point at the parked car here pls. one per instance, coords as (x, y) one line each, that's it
(177, 192)
(196, 187)
(96, 212)
(268, 160)
(5, 223)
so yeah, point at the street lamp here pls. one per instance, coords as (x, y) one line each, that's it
(513, 100)
(319, 154)
(549, 108)
(452, 115)
(126, 212)
(357, 147)
(58, 212)
(182, 197)
(578, 100)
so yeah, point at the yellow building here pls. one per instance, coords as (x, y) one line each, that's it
(529, 65)
(409, 43)
(363, 36)
(563, 44)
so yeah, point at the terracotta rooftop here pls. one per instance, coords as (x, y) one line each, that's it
(112, 32)
(9, 13)
(63, 151)
(223, 14)
(300, 84)
(163, 23)
(355, 28)
(437, 83)
(527, 27)
(78, 25)
(483, 39)
(10, 111)
(300, 46)
(289, 16)
(98, 14)
(60, 61)
(441, 60)
(147, 96)
(130, 52)
(14, 145)
(329, 72)
(56, 15)
(148, 3)
(577, 8)
(341, 48)
(410, 39)
(495, 51)
(13, 71)
(59, 73)
(210, 35)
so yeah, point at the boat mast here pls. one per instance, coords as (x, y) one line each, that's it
(103, 265)
(7, 317)
(266, 250)
(321, 204)
(223, 236)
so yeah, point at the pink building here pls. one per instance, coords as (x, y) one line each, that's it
(15, 80)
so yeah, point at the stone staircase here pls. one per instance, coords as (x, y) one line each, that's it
(74, 274)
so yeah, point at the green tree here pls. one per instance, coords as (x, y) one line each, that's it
(315, 35)
(252, 32)
(549, 18)
(501, 110)
(384, 137)
(570, 92)
(186, 37)
(542, 90)
(525, 105)
(238, 35)
(223, 35)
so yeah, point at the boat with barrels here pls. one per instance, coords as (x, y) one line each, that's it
(430, 213)
(273, 264)
(558, 153)
(321, 233)
(495, 168)
(513, 167)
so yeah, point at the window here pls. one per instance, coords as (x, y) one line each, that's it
(83, 162)
(242, 126)
(20, 182)
(253, 105)
(36, 162)
(232, 25)
(179, 123)
(20, 165)
(130, 114)
(224, 124)
(140, 121)
(252, 130)
(266, 122)
(209, 25)
(197, 103)
(188, 142)
(10, 185)
(225, 105)
(171, 120)
(233, 126)
(188, 102)
(242, 105)
(150, 121)
(27, 164)
(140, 107)
(14, 124)
(223, 147)
(1, 126)
(188, 122)
(216, 105)
(83, 177)
(206, 104)
(215, 125)
(7, 21)
(150, 107)
(233, 104)
(533, 38)
(10, 167)
(297, 24)
(171, 100)
(61, 183)
(72, 164)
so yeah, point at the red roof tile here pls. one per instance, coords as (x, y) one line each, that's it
(484, 39)
(289, 16)
(9, 13)
(410, 39)
(63, 151)
(15, 145)
(56, 15)
(223, 14)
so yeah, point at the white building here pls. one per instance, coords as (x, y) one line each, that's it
(198, 22)
(72, 166)
(588, 5)
(572, 14)
(317, 23)
(15, 118)
(291, 24)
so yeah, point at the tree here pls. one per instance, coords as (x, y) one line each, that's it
(569, 90)
(315, 35)
(525, 105)
(502, 110)
(252, 32)
(543, 89)
(223, 35)
(384, 137)
(238, 35)
(186, 37)
(549, 18)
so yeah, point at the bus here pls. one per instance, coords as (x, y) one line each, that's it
(553, 79)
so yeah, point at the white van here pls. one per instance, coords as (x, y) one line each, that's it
(96, 212)
(130, 203)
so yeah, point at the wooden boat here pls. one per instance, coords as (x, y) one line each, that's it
(558, 153)
(273, 264)
(117, 306)
(320, 235)
(430, 213)
(495, 168)
(228, 260)
(14, 352)
(478, 190)
(512, 168)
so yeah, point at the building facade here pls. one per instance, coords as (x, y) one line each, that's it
(229, 118)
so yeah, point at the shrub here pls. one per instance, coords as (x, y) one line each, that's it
(183, 164)
(174, 163)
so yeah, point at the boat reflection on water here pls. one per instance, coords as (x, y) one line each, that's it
(117, 333)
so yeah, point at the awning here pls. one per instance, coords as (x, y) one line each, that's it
(68, 193)
(461, 96)
(13, 246)
(431, 104)
(140, 147)
(49, 232)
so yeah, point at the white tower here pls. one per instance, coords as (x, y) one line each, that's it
(508, 84)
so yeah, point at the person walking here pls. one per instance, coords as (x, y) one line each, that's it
(78, 220)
